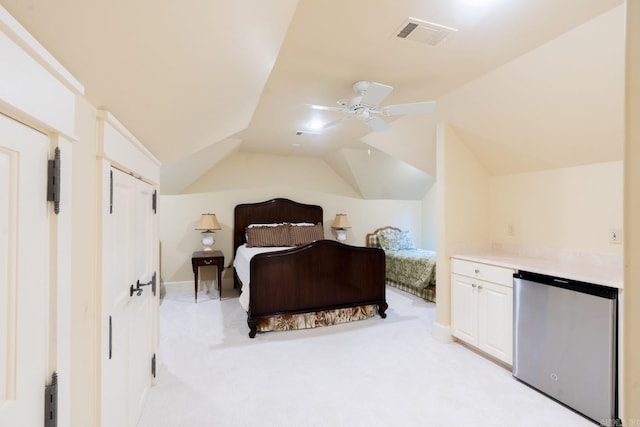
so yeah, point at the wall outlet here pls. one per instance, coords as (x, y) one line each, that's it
(615, 235)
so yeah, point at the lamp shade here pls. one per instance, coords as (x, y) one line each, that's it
(208, 222)
(341, 221)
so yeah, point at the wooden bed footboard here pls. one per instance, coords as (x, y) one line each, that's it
(322, 275)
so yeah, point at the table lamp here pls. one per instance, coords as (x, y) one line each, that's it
(340, 225)
(208, 223)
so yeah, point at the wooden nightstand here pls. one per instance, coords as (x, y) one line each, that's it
(207, 259)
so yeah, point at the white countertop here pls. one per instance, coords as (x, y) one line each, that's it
(604, 270)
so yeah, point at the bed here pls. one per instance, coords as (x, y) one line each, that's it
(408, 268)
(319, 283)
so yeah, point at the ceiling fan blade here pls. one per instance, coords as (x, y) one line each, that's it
(375, 94)
(317, 128)
(325, 107)
(414, 108)
(333, 123)
(376, 124)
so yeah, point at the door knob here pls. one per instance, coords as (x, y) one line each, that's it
(151, 283)
(135, 290)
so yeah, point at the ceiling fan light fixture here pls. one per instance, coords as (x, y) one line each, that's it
(362, 114)
(367, 102)
(315, 125)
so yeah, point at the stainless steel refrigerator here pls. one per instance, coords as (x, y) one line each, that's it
(565, 341)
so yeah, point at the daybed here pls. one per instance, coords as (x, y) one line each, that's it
(408, 268)
(318, 283)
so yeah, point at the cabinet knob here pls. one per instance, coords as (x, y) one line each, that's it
(477, 271)
(208, 261)
(479, 287)
(473, 285)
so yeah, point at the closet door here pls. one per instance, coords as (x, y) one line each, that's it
(144, 303)
(24, 274)
(128, 300)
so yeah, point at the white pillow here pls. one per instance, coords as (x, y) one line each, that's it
(273, 224)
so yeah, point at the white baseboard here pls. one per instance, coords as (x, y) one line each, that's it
(178, 287)
(441, 333)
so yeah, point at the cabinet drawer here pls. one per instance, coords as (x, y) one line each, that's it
(487, 272)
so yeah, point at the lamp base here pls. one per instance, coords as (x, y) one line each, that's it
(207, 240)
(341, 234)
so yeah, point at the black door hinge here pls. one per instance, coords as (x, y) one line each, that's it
(53, 181)
(111, 192)
(154, 202)
(153, 365)
(110, 338)
(51, 402)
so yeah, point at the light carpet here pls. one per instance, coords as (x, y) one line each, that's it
(375, 372)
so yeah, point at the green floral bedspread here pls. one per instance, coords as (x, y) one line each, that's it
(415, 268)
(409, 268)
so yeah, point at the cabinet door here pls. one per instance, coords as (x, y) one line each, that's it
(495, 310)
(464, 316)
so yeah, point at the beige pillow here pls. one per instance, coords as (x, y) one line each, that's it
(265, 236)
(301, 235)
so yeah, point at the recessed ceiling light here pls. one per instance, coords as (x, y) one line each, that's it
(315, 125)
(478, 3)
(308, 132)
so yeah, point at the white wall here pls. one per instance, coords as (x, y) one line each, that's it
(631, 317)
(466, 193)
(178, 215)
(250, 177)
(569, 208)
(242, 170)
(558, 105)
(430, 219)
(462, 213)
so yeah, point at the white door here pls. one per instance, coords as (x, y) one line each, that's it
(143, 306)
(24, 274)
(128, 319)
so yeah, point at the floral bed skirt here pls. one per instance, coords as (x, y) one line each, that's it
(313, 320)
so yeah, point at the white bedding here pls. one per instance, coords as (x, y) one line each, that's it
(242, 263)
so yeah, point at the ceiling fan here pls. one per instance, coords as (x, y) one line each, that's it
(365, 106)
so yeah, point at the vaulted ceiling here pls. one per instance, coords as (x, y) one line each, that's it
(198, 80)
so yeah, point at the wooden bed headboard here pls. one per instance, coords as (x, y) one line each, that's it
(274, 210)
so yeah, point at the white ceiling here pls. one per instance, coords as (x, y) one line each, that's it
(196, 78)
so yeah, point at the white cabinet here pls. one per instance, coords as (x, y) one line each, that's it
(482, 307)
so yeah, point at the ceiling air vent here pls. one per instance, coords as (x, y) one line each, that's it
(424, 32)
